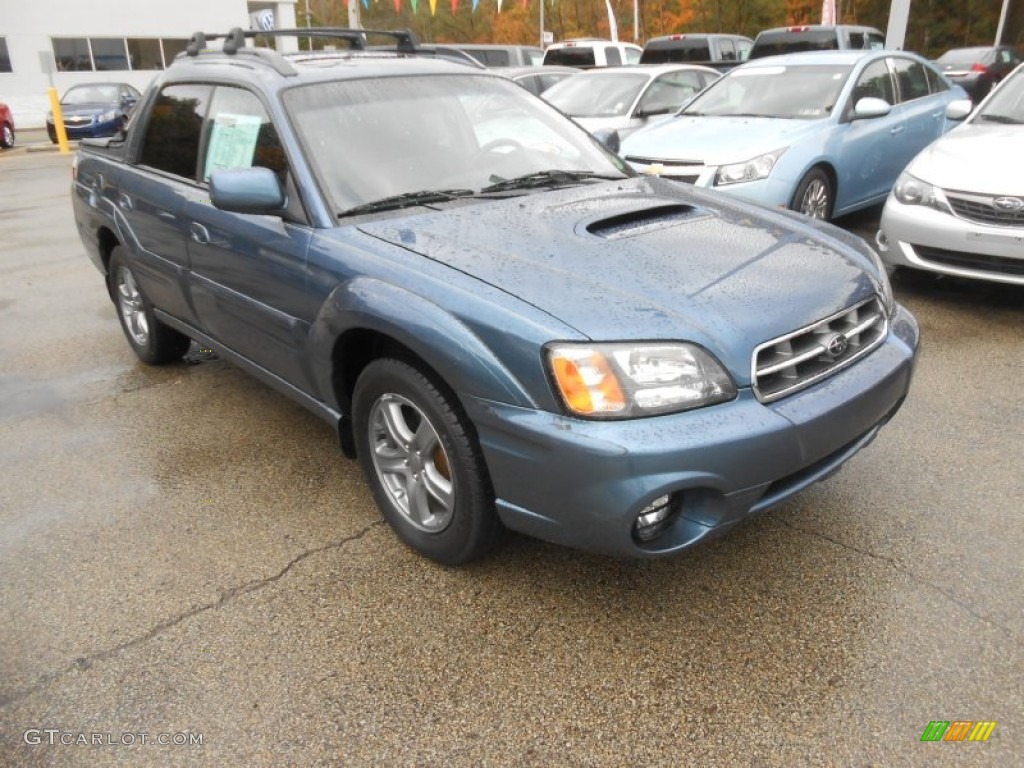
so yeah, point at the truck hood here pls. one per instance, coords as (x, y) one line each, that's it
(975, 157)
(716, 140)
(646, 258)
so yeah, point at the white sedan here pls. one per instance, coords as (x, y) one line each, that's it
(623, 99)
(958, 208)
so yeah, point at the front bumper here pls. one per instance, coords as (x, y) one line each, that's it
(90, 130)
(583, 483)
(924, 238)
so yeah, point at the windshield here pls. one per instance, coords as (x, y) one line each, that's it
(377, 138)
(793, 92)
(966, 56)
(602, 94)
(1006, 104)
(91, 94)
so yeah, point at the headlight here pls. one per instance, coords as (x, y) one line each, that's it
(910, 190)
(106, 117)
(750, 170)
(631, 380)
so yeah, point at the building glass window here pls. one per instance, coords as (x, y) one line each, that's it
(172, 48)
(72, 54)
(5, 56)
(108, 53)
(144, 53)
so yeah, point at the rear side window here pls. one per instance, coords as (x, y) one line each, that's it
(614, 58)
(171, 143)
(727, 50)
(912, 80)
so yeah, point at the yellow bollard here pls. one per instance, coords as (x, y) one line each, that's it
(58, 122)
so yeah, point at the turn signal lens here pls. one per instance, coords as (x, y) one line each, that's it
(587, 384)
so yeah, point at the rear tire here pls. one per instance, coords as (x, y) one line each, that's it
(151, 340)
(6, 136)
(813, 196)
(421, 459)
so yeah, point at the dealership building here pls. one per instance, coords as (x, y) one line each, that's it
(63, 43)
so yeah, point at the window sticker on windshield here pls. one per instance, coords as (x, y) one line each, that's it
(232, 142)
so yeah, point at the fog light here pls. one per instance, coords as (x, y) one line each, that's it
(653, 519)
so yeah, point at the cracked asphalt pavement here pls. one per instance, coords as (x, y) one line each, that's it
(192, 574)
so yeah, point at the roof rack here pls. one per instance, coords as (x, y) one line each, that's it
(406, 43)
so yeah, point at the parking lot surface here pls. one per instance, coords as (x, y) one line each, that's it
(192, 574)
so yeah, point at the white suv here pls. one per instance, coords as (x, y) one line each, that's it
(589, 53)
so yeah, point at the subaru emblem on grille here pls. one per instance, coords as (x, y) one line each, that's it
(836, 345)
(1008, 203)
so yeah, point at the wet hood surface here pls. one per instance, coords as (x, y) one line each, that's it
(645, 258)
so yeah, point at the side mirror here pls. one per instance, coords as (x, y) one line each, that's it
(869, 107)
(652, 111)
(609, 138)
(958, 110)
(247, 190)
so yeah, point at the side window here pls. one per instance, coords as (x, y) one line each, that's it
(633, 56)
(727, 49)
(171, 142)
(612, 56)
(239, 134)
(874, 82)
(876, 41)
(912, 80)
(743, 48)
(935, 81)
(858, 40)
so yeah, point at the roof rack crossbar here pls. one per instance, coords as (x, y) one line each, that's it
(405, 39)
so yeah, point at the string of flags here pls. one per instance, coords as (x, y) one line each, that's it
(433, 5)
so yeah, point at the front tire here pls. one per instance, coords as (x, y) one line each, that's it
(813, 195)
(421, 459)
(6, 136)
(151, 340)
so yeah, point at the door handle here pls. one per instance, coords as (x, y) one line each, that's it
(897, 129)
(199, 233)
(125, 203)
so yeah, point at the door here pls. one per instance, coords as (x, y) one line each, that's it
(149, 203)
(248, 275)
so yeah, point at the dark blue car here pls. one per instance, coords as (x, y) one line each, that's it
(504, 323)
(95, 110)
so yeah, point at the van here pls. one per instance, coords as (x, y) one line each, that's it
(721, 51)
(589, 53)
(503, 55)
(816, 37)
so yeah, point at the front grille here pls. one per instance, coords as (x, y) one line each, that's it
(76, 121)
(974, 261)
(982, 209)
(797, 360)
(678, 170)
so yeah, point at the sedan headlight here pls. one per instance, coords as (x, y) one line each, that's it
(632, 380)
(910, 190)
(106, 117)
(750, 170)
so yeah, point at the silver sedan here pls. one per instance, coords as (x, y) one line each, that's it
(958, 208)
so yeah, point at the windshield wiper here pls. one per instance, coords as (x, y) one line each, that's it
(546, 179)
(408, 199)
(1004, 119)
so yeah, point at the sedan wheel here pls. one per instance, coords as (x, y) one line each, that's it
(6, 136)
(813, 196)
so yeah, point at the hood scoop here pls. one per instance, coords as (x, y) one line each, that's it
(642, 220)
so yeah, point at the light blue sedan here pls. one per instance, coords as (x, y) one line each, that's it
(824, 132)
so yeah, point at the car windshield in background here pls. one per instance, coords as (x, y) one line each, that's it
(676, 51)
(1006, 104)
(375, 139)
(91, 94)
(571, 57)
(794, 42)
(801, 93)
(598, 95)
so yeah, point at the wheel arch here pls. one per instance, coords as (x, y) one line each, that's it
(366, 319)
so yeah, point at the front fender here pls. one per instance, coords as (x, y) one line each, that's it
(434, 334)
